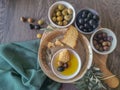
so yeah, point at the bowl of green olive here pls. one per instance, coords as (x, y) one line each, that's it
(61, 14)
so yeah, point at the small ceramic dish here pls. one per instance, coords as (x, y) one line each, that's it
(87, 20)
(60, 74)
(113, 42)
(54, 6)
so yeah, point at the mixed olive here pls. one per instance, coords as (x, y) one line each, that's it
(87, 21)
(102, 42)
(39, 35)
(30, 20)
(62, 15)
(23, 19)
(31, 23)
(62, 66)
(40, 22)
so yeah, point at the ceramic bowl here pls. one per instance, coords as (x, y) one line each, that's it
(113, 42)
(57, 73)
(53, 7)
(79, 16)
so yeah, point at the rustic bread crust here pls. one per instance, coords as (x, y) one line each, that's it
(70, 37)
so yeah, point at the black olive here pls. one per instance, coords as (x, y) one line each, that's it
(95, 37)
(37, 27)
(85, 25)
(109, 38)
(86, 20)
(77, 20)
(60, 68)
(101, 41)
(86, 11)
(90, 29)
(80, 14)
(99, 35)
(83, 14)
(81, 21)
(104, 34)
(85, 30)
(89, 15)
(95, 17)
(105, 38)
(94, 26)
(77, 23)
(65, 65)
(92, 22)
(81, 27)
(32, 26)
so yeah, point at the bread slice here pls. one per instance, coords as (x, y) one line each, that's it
(70, 37)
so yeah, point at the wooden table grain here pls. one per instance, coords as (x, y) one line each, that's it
(11, 29)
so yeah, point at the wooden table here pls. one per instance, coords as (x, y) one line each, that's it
(11, 29)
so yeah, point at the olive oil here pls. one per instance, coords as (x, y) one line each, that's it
(72, 65)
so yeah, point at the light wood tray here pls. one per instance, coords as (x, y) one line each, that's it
(82, 48)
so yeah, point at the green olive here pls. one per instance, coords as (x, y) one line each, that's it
(61, 7)
(58, 13)
(65, 22)
(60, 23)
(54, 19)
(40, 22)
(59, 18)
(67, 17)
(64, 12)
(70, 11)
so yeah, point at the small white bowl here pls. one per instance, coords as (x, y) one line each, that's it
(94, 12)
(51, 10)
(57, 73)
(109, 33)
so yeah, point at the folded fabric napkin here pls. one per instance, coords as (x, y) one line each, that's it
(19, 68)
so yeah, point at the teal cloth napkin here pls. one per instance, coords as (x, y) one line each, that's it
(19, 68)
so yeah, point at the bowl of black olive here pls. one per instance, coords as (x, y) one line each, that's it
(103, 41)
(87, 21)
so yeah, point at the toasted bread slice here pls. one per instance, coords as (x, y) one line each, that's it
(70, 37)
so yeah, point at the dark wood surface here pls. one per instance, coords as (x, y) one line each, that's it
(11, 29)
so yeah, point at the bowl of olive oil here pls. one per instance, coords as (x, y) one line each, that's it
(68, 65)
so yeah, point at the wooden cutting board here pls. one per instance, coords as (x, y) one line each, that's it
(100, 61)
